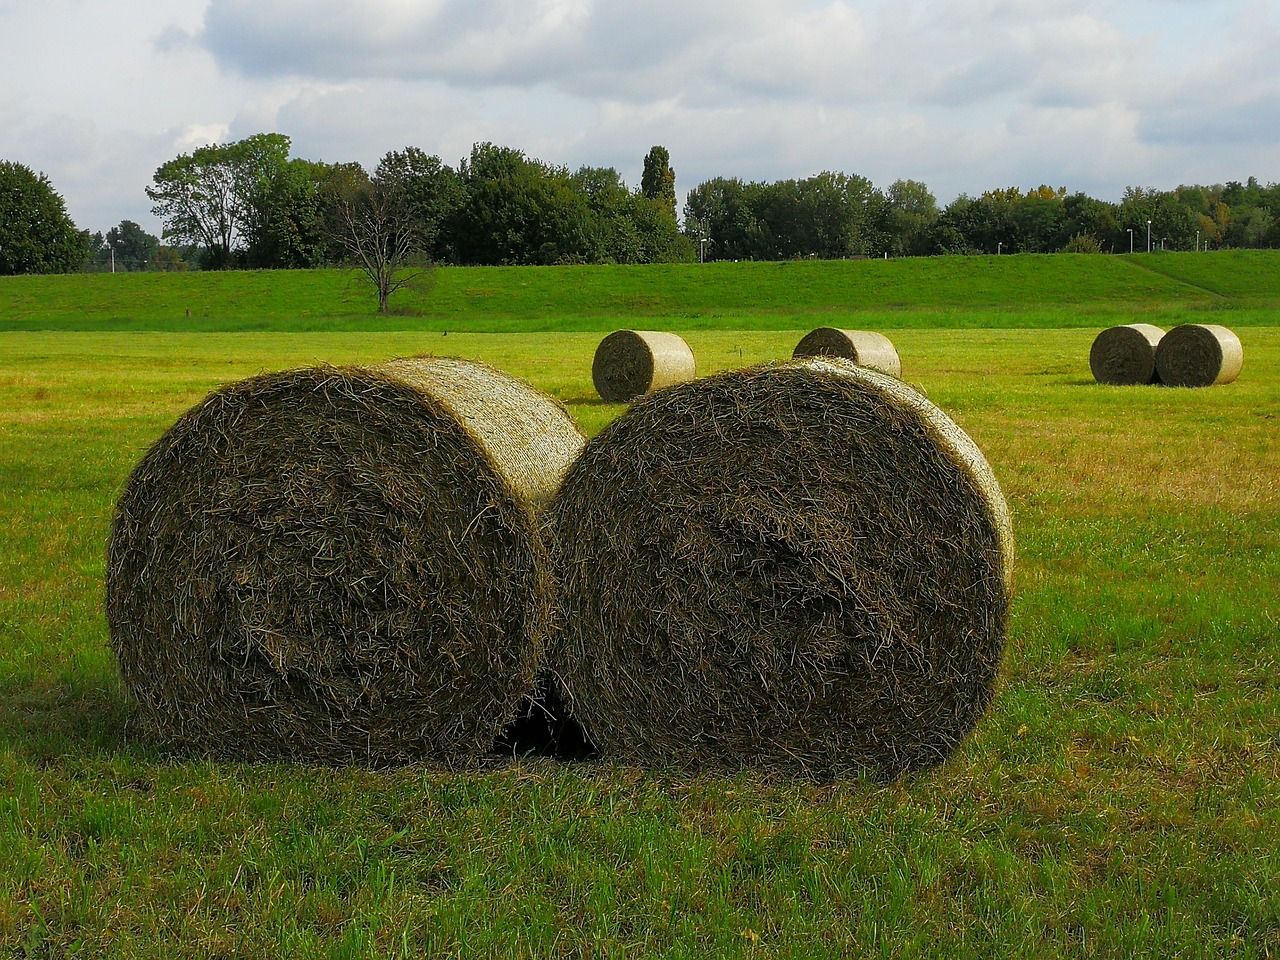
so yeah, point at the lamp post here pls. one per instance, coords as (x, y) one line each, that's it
(1197, 239)
(1148, 236)
(999, 244)
(1130, 229)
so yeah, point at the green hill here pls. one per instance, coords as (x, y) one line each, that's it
(1012, 291)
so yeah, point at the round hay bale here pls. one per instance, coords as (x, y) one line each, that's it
(340, 564)
(863, 347)
(1199, 355)
(631, 363)
(804, 566)
(1125, 355)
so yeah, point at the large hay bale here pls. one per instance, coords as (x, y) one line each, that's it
(1125, 355)
(863, 347)
(631, 363)
(1199, 355)
(804, 566)
(340, 564)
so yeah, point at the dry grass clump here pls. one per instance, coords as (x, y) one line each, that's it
(803, 566)
(1125, 355)
(340, 564)
(863, 347)
(1199, 355)
(631, 363)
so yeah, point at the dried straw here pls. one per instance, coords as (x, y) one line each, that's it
(1199, 355)
(804, 566)
(631, 363)
(340, 564)
(863, 347)
(1125, 355)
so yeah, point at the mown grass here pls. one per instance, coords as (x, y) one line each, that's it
(978, 292)
(1120, 799)
(1241, 275)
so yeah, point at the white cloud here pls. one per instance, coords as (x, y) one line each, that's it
(196, 135)
(964, 94)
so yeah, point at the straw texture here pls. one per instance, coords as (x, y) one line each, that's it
(1199, 355)
(803, 566)
(631, 363)
(863, 347)
(340, 564)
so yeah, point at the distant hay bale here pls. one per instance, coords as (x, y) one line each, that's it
(1125, 355)
(803, 565)
(1199, 355)
(631, 363)
(863, 347)
(340, 564)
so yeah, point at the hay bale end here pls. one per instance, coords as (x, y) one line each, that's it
(1125, 355)
(1199, 355)
(631, 363)
(863, 347)
(340, 564)
(804, 566)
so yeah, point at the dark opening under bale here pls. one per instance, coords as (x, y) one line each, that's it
(340, 564)
(863, 347)
(1125, 355)
(1199, 355)
(631, 363)
(803, 566)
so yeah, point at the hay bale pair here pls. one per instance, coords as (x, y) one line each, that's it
(632, 363)
(803, 566)
(1189, 355)
(340, 564)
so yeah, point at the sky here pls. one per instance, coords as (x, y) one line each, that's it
(965, 95)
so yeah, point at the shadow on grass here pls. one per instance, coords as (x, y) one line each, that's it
(589, 401)
(61, 719)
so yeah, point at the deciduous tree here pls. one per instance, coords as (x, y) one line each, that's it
(433, 190)
(218, 197)
(36, 235)
(658, 179)
(913, 211)
(134, 247)
(518, 210)
(375, 224)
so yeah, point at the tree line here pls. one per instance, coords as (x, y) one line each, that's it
(250, 204)
(837, 215)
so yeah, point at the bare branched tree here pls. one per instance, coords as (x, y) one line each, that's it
(375, 224)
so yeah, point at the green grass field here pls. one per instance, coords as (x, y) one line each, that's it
(970, 292)
(1120, 799)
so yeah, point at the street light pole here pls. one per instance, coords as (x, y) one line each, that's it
(1148, 236)
(999, 244)
(1130, 229)
(1197, 239)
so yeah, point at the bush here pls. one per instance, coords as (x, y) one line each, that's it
(1082, 243)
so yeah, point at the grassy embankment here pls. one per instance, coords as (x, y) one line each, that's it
(1120, 798)
(986, 292)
